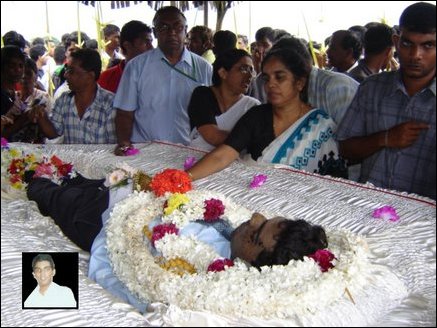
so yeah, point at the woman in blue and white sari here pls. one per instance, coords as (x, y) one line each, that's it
(286, 130)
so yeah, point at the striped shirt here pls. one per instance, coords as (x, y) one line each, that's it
(97, 125)
(380, 104)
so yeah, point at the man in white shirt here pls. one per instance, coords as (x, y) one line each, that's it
(48, 293)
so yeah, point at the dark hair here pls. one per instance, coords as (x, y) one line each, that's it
(8, 53)
(59, 54)
(167, 10)
(280, 33)
(226, 60)
(89, 60)
(419, 17)
(265, 32)
(30, 63)
(91, 44)
(110, 29)
(359, 31)
(43, 257)
(37, 51)
(204, 32)
(74, 37)
(132, 30)
(224, 40)
(294, 44)
(296, 57)
(38, 40)
(296, 240)
(350, 40)
(13, 38)
(378, 38)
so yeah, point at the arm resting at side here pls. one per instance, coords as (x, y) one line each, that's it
(124, 121)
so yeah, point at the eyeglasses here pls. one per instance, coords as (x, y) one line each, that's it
(166, 28)
(245, 69)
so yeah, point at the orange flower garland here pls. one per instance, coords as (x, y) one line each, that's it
(171, 180)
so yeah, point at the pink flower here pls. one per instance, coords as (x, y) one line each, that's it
(220, 265)
(44, 170)
(214, 208)
(161, 230)
(323, 257)
(131, 151)
(386, 213)
(258, 180)
(4, 143)
(189, 162)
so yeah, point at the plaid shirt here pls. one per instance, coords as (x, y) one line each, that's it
(380, 104)
(97, 125)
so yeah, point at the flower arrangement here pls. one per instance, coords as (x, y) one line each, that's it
(17, 163)
(171, 180)
(241, 290)
(120, 176)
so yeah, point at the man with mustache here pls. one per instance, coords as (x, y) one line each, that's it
(390, 125)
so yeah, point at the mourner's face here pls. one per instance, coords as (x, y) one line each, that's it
(139, 45)
(417, 53)
(77, 77)
(280, 83)
(171, 30)
(14, 70)
(252, 237)
(239, 76)
(29, 78)
(195, 44)
(43, 273)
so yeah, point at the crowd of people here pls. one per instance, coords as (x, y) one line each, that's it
(367, 103)
(372, 105)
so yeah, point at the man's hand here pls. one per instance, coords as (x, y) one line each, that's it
(405, 134)
(120, 150)
(36, 113)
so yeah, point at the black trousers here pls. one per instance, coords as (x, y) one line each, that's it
(76, 206)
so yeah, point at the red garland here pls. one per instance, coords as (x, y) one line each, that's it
(323, 257)
(171, 180)
(161, 230)
(220, 265)
(213, 209)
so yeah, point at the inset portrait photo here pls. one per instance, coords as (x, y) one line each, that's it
(50, 280)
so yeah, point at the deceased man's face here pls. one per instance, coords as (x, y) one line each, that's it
(253, 236)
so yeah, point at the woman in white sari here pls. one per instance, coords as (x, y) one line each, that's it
(286, 130)
(214, 110)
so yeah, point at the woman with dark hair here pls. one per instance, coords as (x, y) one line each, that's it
(286, 130)
(214, 110)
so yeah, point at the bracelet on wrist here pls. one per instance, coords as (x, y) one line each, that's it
(124, 147)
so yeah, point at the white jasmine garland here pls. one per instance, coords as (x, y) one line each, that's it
(297, 290)
(192, 250)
